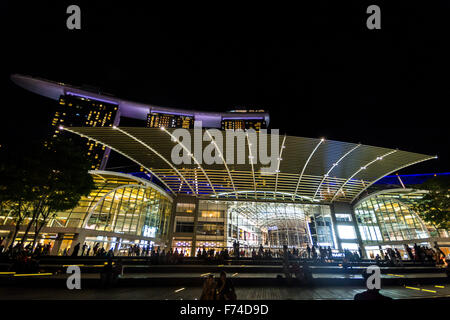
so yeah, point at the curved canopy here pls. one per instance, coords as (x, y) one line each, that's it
(113, 179)
(308, 169)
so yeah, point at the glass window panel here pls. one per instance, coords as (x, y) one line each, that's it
(346, 232)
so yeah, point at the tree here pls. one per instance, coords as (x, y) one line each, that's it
(41, 180)
(16, 194)
(65, 182)
(434, 207)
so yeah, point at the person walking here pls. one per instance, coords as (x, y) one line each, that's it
(75, 250)
(95, 249)
(314, 253)
(83, 249)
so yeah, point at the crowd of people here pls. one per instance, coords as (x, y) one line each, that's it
(319, 253)
(26, 260)
(170, 256)
(417, 253)
(212, 255)
(20, 249)
(157, 255)
(314, 253)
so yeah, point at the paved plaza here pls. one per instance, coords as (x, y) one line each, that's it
(243, 293)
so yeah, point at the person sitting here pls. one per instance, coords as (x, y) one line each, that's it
(225, 288)
(209, 289)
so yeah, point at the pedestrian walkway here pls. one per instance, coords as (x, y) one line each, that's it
(243, 293)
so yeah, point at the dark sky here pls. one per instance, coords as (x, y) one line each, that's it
(316, 68)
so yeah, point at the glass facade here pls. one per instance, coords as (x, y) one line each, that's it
(124, 210)
(385, 218)
(120, 204)
(271, 224)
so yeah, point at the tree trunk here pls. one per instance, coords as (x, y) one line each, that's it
(19, 221)
(27, 230)
(16, 231)
(39, 226)
(33, 220)
(34, 240)
(37, 231)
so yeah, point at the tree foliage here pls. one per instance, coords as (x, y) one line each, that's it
(37, 180)
(434, 207)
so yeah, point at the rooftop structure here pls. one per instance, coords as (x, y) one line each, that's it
(131, 109)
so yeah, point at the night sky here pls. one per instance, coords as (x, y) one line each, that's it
(317, 69)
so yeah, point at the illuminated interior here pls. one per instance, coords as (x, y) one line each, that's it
(271, 224)
(121, 211)
(386, 220)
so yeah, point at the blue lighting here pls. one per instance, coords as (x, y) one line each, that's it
(410, 179)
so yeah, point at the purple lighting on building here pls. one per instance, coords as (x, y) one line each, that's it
(130, 109)
(173, 113)
(243, 118)
(90, 98)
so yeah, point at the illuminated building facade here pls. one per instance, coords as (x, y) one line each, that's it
(246, 122)
(385, 219)
(124, 210)
(83, 107)
(79, 111)
(216, 224)
(236, 124)
(315, 196)
(121, 211)
(140, 111)
(158, 120)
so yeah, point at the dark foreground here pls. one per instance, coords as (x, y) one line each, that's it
(253, 280)
(243, 293)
